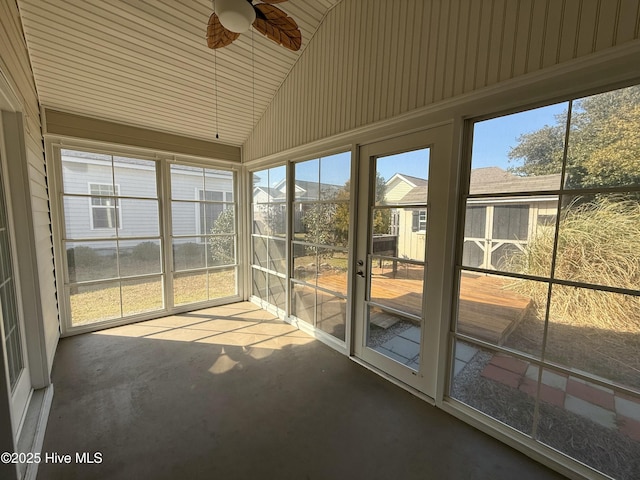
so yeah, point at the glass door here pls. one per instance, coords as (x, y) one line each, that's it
(393, 331)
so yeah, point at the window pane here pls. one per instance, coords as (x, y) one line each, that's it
(599, 241)
(83, 220)
(140, 218)
(186, 218)
(473, 254)
(259, 284)
(186, 182)
(332, 314)
(94, 303)
(402, 178)
(397, 284)
(190, 288)
(335, 172)
(277, 255)
(218, 181)
(277, 291)
(219, 218)
(307, 180)
(495, 385)
(303, 302)
(259, 225)
(399, 232)
(222, 283)
(139, 257)
(503, 311)
(188, 253)
(139, 296)
(221, 250)
(475, 221)
(518, 242)
(333, 269)
(510, 222)
(91, 261)
(260, 251)
(270, 219)
(277, 176)
(520, 152)
(323, 223)
(301, 226)
(276, 219)
(590, 423)
(604, 148)
(305, 266)
(394, 336)
(135, 177)
(81, 168)
(596, 332)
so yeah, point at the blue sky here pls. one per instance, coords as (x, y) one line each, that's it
(492, 141)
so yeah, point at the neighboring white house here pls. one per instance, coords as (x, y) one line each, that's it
(102, 201)
(494, 227)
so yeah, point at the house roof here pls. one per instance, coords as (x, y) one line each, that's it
(490, 180)
(305, 190)
(312, 190)
(411, 180)
(496, 180)
(272, 192)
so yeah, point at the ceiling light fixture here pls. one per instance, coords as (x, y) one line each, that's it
(235, 15)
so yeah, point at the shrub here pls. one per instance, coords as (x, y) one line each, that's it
(188, 255)
(221, 241)
(83, 256)
(146, 252)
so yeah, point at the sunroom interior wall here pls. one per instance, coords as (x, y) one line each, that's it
(372, 60)
(15, 66)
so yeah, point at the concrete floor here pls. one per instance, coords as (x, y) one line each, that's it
(233, 393)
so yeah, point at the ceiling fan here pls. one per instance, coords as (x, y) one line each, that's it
(233, 17)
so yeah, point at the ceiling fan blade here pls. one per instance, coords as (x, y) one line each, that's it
(217, 35)
(278, 26)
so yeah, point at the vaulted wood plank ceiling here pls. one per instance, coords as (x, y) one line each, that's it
(146, 63)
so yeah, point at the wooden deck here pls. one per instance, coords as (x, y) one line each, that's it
(487, 310)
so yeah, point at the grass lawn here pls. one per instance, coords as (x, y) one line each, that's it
(130, 297)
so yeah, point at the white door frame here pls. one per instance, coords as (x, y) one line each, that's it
(439, 141)
(20, 395)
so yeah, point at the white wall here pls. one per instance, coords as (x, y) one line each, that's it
(33, 231)
(375, 59)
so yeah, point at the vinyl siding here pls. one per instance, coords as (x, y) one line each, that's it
(16, 68)
(372, 60)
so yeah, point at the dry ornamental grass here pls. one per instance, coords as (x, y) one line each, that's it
(594, 330)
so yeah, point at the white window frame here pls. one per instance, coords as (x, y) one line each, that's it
(422, 221)
(117, 206)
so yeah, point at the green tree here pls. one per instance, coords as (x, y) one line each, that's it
(222, 240)
(318, 222)
(381, 219)
(604, 142)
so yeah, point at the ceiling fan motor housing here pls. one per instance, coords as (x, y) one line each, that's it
(235, 15)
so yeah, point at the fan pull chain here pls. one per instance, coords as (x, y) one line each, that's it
(253, 84)
(215, 76)
(215, 86)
